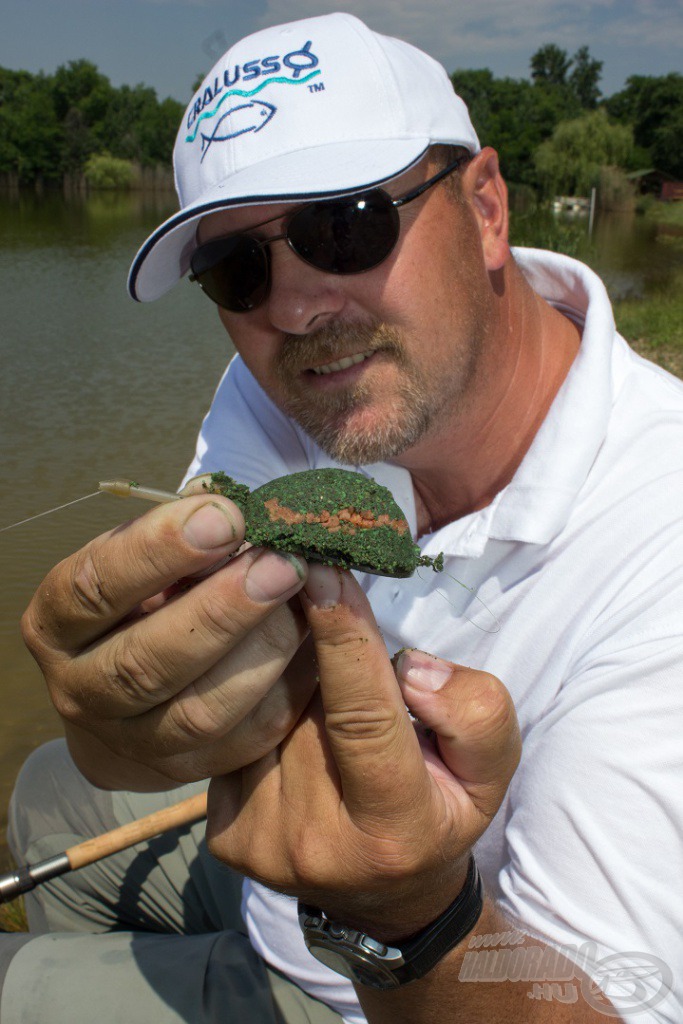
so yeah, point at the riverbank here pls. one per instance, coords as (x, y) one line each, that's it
(648, 308)
(654, 324)
(654, 327)
(662, 213)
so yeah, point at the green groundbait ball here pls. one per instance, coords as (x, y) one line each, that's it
(333, 516)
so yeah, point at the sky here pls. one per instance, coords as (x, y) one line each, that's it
(167, 43)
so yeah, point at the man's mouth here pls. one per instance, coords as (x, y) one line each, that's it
(342, 364)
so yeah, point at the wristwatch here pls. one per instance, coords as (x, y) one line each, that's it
(377, 964)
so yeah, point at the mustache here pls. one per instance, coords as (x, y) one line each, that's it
(334, 340)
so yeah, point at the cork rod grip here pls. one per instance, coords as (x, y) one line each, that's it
(184, 813)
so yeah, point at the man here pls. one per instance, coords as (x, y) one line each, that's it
(337, 206)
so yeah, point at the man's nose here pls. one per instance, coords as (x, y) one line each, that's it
(301, 297)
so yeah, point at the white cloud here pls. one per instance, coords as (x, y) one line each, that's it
(463, 35)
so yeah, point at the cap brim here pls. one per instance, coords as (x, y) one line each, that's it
(343, 168)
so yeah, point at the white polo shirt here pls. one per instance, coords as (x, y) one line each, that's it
(578, 571)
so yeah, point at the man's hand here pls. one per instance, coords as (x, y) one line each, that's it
(368, 815)
(160, 680)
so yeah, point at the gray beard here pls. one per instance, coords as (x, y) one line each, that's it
(422, 395)
(410, 421)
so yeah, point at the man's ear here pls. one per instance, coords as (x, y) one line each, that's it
(488, 195)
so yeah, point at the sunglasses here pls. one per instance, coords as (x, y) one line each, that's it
(347, 235)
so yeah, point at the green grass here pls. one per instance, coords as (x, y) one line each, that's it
(654, 326)
(539, 228)
(663, 213)
(13, 916)
(657, 320)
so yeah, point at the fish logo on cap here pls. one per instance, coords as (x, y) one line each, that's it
(249, 115)
(245, 117)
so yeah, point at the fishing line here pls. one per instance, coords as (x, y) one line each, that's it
(475, 595)
(132, 489)
(122, 488)
(50, 511)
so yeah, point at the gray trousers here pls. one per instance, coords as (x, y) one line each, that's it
(153, 935)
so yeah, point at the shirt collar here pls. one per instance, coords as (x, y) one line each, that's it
(536, 504)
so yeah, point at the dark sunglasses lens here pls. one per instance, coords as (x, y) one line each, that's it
(234, 272)
(345, 236)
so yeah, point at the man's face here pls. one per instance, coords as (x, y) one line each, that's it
(371, 364)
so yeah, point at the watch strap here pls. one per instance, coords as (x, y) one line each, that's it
(423, 951)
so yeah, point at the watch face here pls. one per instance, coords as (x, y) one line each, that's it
(332, 958)
(354, 964)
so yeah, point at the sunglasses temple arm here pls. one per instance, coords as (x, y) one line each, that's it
(416, 192)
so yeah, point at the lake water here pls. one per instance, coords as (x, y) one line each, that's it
(93, 386)
(96, 386)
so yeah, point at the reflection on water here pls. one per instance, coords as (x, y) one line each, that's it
(632, 255)
(95, 385)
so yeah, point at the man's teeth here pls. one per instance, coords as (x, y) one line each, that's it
(342, 364)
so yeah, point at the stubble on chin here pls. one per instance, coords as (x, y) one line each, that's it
(331, 420)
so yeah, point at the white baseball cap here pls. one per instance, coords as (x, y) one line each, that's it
(300, 111)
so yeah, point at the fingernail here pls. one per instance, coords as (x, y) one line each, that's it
(197, 485)
(422, 670)
(323, 586)
(273, 574)
(211, 526)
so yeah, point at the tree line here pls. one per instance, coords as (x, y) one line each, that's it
(554, 131)
(52, 125)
